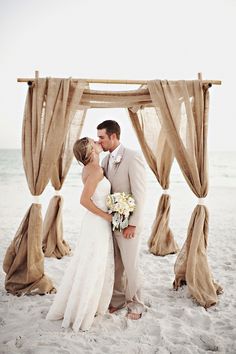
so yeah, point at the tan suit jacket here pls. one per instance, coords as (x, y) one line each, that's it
(128, 176)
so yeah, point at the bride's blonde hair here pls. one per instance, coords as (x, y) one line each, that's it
(83, 150)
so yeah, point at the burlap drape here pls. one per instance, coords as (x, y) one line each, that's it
(184, 116)
(49, 109)
(159, 157)
(53, 243)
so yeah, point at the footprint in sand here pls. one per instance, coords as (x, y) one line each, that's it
(227, 266)
(228, 263)
(148, 303)
(193, 318)
(209, 343)
(2, 322)
(19, 342)
(177, 312)
(154, 334)
(123, 323)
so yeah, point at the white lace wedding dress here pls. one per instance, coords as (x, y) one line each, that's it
(87, 284)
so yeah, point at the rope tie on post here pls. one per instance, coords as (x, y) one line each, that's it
(36, 199)
(165, 191)
(201, 201)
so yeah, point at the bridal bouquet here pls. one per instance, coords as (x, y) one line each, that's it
(121, 205)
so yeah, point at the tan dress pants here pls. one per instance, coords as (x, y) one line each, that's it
(127, 285)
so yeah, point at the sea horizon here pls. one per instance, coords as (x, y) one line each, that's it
(209, 151)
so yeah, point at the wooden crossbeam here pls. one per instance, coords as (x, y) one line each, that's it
(118, 82)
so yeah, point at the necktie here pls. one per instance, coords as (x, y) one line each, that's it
(111, 162)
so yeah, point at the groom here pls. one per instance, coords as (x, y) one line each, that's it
(125, 170)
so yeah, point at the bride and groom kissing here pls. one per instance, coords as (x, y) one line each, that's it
(103, 273)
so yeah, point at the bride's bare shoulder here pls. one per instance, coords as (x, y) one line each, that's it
(94, 172)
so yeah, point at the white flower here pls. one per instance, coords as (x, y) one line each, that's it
(118, 159)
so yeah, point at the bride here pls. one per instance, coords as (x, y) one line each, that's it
(87, 284)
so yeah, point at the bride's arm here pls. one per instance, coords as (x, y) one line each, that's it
(87, 192)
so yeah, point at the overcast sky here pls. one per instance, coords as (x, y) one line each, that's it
(125, 39)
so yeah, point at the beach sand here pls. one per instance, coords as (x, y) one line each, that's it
(173, 323)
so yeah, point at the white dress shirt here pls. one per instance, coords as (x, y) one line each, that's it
(112, 157)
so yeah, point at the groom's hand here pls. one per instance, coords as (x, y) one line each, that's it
(129, 231)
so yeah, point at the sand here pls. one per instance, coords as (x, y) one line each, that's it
(173, 323)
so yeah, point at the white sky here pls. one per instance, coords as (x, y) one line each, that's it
(125, 39)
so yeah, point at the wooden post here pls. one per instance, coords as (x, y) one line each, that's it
(199, 76)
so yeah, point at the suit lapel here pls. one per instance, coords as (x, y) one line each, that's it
(116, 166)
(105, 165)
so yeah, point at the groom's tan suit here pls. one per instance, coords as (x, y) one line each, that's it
(127, 174)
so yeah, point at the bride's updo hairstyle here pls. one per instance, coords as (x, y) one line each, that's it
(83, 150)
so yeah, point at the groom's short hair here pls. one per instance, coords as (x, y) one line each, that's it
(111, 127)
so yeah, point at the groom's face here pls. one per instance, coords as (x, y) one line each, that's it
(105, 140)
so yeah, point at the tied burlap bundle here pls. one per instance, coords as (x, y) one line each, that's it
(161, 241)
(159, 157)
(24, 259)
(193, 256)
(53, 243)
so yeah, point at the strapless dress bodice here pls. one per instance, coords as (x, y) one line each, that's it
(102, 190)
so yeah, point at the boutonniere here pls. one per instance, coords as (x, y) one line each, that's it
(118, 159)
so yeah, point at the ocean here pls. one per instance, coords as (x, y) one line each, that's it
(222, 170)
